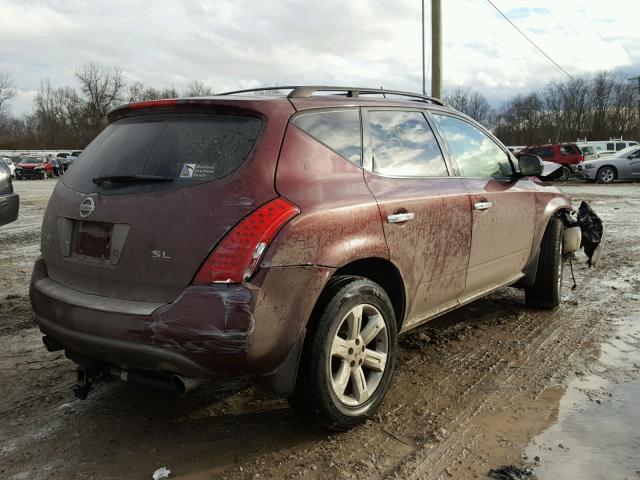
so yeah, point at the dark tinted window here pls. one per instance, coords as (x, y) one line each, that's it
(338, 130)
(544, 152)
(476, 154)
(620, 146)
(189, 148)
(610, 146)
(404, 145)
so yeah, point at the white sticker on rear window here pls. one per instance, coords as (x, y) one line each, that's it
(204, 171)
(187, 170)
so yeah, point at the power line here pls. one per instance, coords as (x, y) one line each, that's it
(529, 40)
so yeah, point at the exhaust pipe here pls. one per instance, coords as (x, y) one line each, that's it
(184, 385)
(175, 384)
(144, 380)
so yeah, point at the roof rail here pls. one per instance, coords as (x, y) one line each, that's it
(305, 91)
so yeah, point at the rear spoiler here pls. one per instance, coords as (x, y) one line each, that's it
(181, 105)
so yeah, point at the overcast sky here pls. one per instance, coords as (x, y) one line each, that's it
(242, 43)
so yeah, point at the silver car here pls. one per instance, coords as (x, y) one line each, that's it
(623, 165)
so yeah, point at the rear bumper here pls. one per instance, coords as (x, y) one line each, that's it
(9, 206)
(208, 331)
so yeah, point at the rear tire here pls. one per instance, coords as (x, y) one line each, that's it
(607, 175)
(566, 173)
(349, 355)
(546, 290)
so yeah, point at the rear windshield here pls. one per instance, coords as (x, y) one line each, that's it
(190, 149)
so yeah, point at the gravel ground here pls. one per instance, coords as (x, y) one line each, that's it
(471, 391)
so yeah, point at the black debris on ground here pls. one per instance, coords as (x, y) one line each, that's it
(510, 472)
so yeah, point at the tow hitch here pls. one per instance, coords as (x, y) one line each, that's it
(87, 376)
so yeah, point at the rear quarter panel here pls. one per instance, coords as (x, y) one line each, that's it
(339, 220)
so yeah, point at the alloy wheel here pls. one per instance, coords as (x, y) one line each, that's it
(607, 175)
(358, 357)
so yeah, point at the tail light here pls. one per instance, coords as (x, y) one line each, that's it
(164, 103)
(238, 254)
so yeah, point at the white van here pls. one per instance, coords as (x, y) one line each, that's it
(606, 147)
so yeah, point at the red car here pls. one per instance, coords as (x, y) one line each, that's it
(289, 238)
(34, 167)
(566, 154)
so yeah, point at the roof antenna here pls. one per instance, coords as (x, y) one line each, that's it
(383, 94)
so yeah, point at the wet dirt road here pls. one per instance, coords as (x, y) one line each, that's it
(473, 390)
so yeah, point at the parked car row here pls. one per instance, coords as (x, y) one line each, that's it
(27, 166)
(603, 162)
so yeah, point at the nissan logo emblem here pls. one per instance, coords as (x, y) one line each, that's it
(87, 207)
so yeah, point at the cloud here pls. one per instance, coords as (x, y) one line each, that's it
(242, 43)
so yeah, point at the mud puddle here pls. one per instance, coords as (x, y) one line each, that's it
(597, 435)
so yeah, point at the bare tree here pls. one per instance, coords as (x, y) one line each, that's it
(58, 116)
(473, 104)
(198, 89)
(138, 92)
(103, 88)
(7, 92)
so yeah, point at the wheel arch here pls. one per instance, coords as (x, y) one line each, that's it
(553, 209)
(384, 273)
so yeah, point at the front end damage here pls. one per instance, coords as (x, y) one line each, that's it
(583, 229)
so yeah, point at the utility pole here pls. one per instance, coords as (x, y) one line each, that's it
(637, 90)
(436, 49)
(424, 73)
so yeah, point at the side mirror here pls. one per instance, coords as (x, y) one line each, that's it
(530, 165)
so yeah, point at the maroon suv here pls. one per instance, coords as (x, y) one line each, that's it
(566, 154)
(290, 238)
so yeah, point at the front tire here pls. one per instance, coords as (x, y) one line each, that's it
(547, 288)
(349, 355)
(607, 175)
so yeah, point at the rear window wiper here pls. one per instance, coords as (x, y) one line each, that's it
(130, 178)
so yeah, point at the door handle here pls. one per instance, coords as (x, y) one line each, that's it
(484, 205)
(400, 217)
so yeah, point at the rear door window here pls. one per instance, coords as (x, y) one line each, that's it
(568, 150)
(403, 144)
(339, 130)
(543, 152)
(610, 146)
(190, 149)
(476, 154)
(620, 146)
